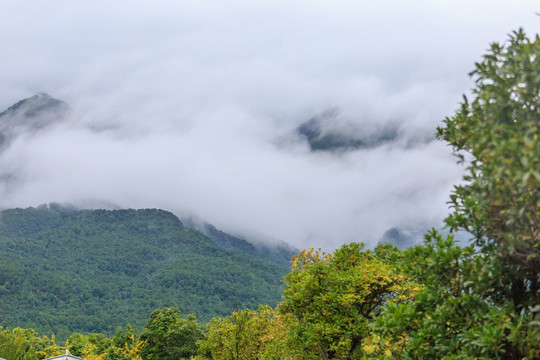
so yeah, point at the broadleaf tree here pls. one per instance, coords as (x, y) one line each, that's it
(482, 301)
(331, 299)
(243, 335)
(498, 133)
(170, 336)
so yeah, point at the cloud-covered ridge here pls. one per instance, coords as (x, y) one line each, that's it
(194, 107)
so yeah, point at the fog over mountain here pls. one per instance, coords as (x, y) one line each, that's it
(29, 116)
(211, 109)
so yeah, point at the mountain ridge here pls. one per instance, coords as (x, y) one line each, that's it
(67, 270)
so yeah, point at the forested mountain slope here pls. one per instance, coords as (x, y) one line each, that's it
(64, 270)
(279, 253)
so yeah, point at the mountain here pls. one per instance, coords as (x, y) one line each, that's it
(277, 253)
(30, 115)
(65, 270)
(36, 113)
(405, 237)
(328, 132)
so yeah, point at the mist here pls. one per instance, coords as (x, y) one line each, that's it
(193, 107)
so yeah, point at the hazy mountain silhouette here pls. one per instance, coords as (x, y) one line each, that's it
(30, 115)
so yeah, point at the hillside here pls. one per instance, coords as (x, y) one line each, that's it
(279, 253)
(64, 270)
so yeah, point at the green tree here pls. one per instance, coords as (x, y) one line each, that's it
(333, 298)
(499, 202)
(482, 301)
(243, 335)
(126, 345)
(449, 318)
(18, 344)
(131, 350)
(169, 336)
(77, 343)
(50, 348)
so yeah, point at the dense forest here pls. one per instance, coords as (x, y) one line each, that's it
(438, 300)
(65, 270)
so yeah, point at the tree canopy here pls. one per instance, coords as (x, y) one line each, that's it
(169, 336)
(332, 298)
(497, 134)
(482, 301)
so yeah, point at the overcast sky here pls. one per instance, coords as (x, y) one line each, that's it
(191, 106)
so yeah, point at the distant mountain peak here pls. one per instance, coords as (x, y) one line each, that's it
(30, 115)
(39, 105)
(329, 132)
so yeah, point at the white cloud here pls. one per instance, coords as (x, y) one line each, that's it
(190, 98)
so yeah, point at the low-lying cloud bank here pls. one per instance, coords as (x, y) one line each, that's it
(194, 107)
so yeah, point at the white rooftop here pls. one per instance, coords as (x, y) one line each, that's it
(66, 356)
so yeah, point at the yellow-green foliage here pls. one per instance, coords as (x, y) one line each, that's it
(331, 299)
(247, 334)
(19, 344)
